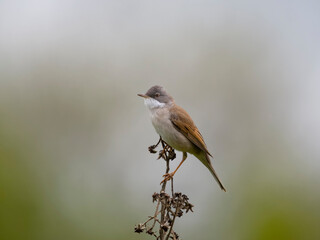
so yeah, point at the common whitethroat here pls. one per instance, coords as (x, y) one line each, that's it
(176, 128)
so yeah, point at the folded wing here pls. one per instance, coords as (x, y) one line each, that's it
(184, 124)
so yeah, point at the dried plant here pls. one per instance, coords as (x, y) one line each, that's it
(168, 208)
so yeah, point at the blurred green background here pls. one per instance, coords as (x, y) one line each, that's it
(74, 135)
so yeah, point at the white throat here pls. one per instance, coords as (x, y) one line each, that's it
(152, 104)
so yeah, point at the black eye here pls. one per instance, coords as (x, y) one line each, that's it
(157, 94)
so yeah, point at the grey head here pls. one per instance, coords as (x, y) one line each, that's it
(158, 93)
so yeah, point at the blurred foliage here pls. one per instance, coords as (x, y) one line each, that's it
(31, 209)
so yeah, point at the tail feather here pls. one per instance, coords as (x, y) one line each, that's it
(204, 158)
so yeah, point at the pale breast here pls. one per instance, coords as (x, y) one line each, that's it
(161, 121)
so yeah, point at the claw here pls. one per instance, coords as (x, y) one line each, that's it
(167, 177)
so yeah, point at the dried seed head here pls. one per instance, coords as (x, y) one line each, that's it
(149, 231)
(180, 213)
(177, 195)
(188, 207)
(185, 197)
(171, 154)
(155, 197)
(176, 236)
(165, 227)
(164, 195)
(151, 149)
(140, 228)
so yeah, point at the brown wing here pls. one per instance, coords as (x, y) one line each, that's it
(184, 124)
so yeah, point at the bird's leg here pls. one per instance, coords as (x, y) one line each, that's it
(169, 176)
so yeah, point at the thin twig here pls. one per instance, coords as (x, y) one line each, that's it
(155, 214)
(172, 187)
(174, 218)
(163, 188)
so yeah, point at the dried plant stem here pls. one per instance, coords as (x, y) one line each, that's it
(174, 218)
(155, 215)
(163, 188)
(170, 206)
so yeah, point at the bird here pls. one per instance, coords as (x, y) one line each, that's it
(177, 129)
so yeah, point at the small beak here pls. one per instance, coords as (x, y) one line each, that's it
(143, 95)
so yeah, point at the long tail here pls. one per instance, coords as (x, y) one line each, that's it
(205, 159)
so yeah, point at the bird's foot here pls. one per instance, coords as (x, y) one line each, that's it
(167, 177)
